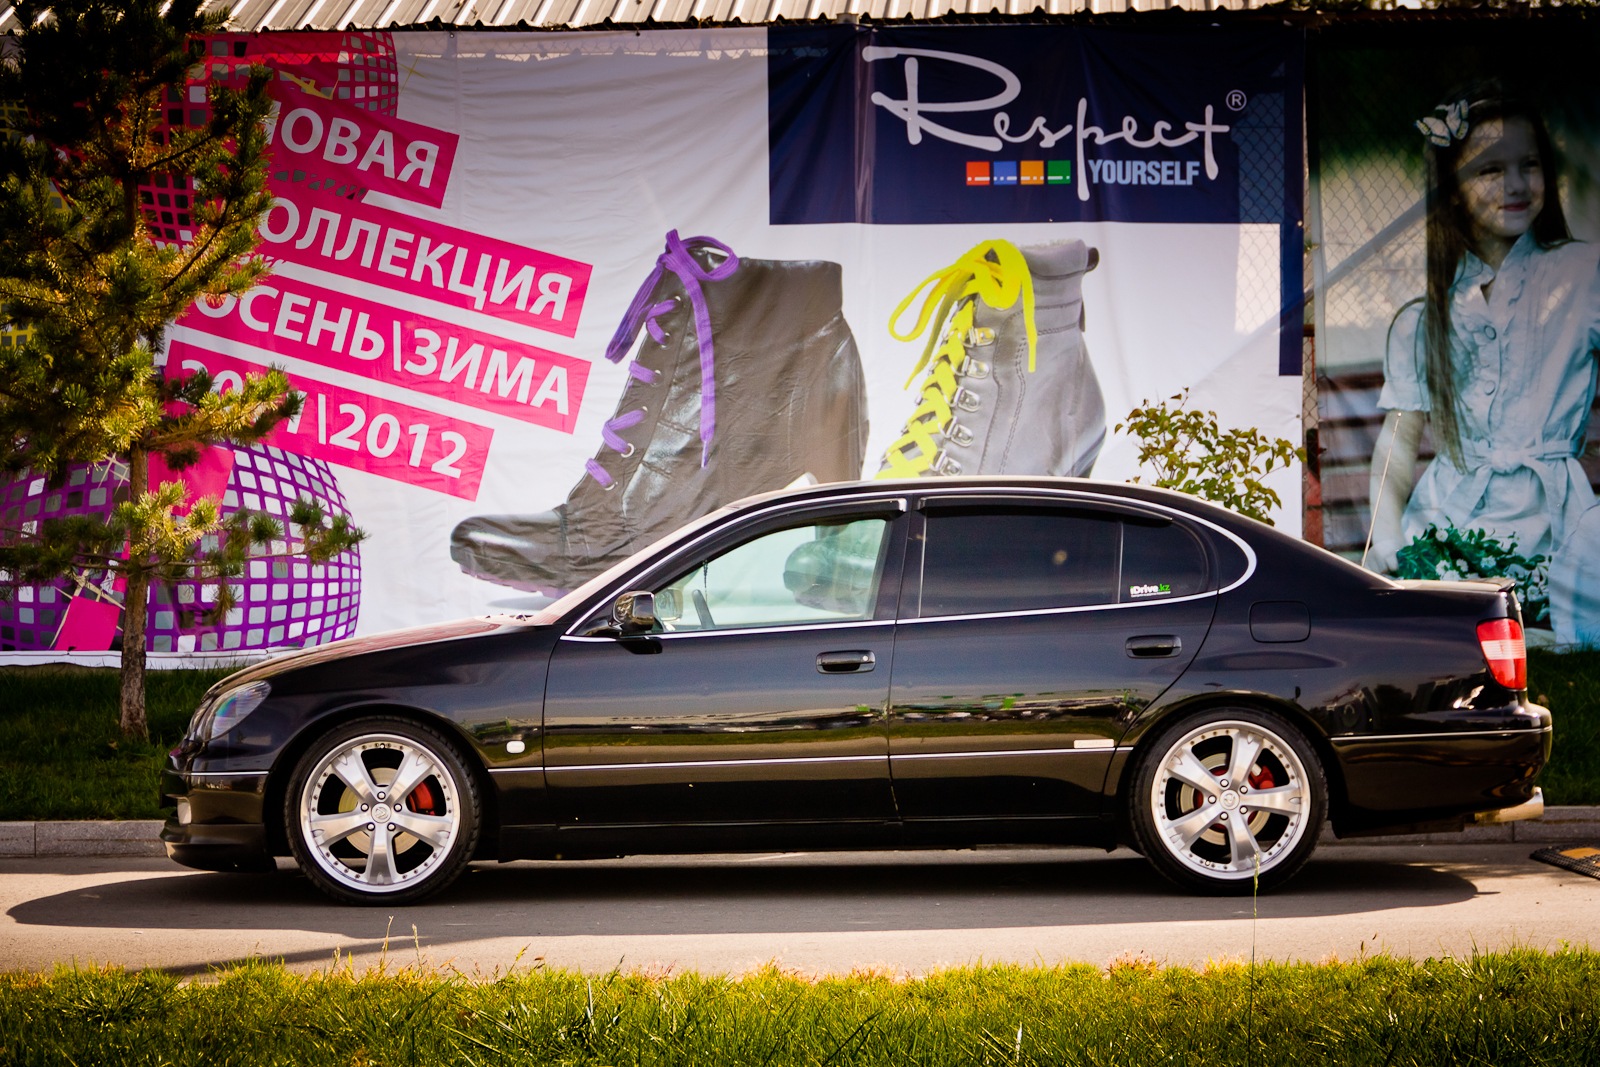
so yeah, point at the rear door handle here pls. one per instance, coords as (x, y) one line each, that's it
(846, 662)
(1154, 646)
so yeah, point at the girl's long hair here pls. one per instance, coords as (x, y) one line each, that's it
(1447, 238)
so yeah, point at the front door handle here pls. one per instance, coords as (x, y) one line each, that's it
(846, 662)
(1154, 646)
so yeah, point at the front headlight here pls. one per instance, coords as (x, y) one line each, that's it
(216, 717)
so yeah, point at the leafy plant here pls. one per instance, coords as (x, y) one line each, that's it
(1455, 555)
(1190, 452)
(88, 286)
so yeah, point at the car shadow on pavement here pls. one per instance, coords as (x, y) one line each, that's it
(792, 893)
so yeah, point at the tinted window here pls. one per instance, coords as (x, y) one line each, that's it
(819, 572)
(1017, 559)
(1160, 560)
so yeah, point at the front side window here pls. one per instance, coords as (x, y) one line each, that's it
(818, 572)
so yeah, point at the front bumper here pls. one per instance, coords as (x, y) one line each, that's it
(217, 819)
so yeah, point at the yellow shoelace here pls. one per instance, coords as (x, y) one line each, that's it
(994, 272)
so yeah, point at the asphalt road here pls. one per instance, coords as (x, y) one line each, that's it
(812, 913)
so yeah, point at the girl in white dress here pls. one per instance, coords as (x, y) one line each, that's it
(1498, 356)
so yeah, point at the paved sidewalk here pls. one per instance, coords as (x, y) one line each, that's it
(142, 837)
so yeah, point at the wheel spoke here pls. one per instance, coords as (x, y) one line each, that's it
(380, 862)
(1192, 825)
(1241, 842)
(352, 771)
(414, 768)
(1284, 800)
(1191, 771)
(331, 829)
(1246, 749)
(435, 830)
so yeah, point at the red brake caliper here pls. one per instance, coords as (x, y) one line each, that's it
(421, 800)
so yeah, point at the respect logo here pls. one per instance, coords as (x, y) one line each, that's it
(926, 117)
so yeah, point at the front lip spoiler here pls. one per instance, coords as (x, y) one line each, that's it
(1531, 808)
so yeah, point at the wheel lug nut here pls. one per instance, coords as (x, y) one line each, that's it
(1224, 784)
(391, 828)
(384, 796)
(1211, 800)
(363, 807)
(370, 826)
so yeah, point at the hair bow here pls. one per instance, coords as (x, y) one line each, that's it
(1452, 127)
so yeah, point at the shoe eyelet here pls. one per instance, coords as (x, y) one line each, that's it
(966, 400)
(943, 464)
(666, 338)
(972, 368)
(629, 452)
(978, 337)
(957, 434)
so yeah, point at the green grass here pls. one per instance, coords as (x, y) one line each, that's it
(62, 757)
(61, 753)
(1569, 685)
(1496, 1010)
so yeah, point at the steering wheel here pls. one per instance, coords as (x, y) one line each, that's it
(701, 608)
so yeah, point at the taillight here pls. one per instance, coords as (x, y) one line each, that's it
(1506, 652)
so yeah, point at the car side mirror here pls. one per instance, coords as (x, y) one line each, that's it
(634, 612)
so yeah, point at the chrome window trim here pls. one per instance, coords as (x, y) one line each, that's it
(1058, 611)
(937, 493)
(896, 497)
(679, 635)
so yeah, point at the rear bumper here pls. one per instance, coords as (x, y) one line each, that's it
(1528, 809)
(1395, 783)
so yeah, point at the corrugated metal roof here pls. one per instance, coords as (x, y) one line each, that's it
(250, 15)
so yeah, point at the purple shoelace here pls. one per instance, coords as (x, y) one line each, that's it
(642, 313)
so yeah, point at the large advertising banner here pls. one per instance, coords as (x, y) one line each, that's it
(1459, 295)
(549, 296)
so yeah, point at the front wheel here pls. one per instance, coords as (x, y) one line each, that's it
(382, 810)
(1228, 800)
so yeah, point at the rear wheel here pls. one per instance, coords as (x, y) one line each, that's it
(1227, 800)
(382, 810)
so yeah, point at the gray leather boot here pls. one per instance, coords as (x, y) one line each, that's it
(748, 381)
(1009, 388)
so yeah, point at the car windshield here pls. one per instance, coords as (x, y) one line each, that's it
(559, 608)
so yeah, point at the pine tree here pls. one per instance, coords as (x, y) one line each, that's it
(98, 97)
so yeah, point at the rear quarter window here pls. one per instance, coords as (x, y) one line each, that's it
(1161, 560)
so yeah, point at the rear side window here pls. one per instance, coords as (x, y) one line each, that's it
(981, 560)
(1018, 559)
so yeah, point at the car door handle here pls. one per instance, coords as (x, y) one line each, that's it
(1154, 646)
(846, 662)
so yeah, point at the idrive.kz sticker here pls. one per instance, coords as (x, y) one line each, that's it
(1158, 589)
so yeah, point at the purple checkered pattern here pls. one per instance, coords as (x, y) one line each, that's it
(281, 603)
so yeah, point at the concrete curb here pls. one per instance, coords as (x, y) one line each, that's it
(142, 837)
(129, 837)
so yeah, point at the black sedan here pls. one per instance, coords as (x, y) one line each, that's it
(888, 665)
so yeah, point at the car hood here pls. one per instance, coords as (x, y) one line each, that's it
(359, 646)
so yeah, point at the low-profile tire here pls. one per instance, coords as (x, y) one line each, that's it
(356, 840)
(1207, 830)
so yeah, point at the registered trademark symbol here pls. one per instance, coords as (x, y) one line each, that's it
(1237, 100)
